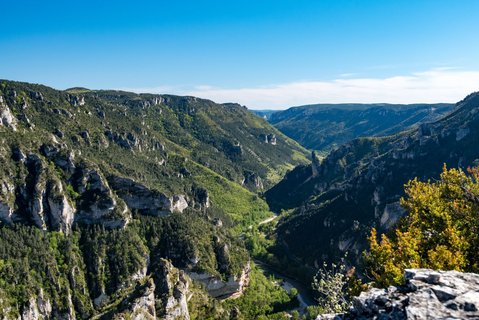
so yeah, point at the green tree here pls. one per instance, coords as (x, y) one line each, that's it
(440, 230)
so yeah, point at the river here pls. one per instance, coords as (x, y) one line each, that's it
(305, 296)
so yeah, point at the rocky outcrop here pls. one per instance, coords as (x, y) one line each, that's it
(172, 290)
(41, 200)
(7, 119)
(61, 157)
(85, 135)
(6, 206)
(139, 197)
(141, 305)
(178, 203)
(272, 139)
(427, 294)
(144, 200)
(6, 213)
(222, 252)
(461, 133)
(97, 203)
(63, 112)
(37, 308)
(125, 140)
(201, 198)
(61, 211)
(76, 101)
(391, 215)
(36, 95)
(217, 288)
(34, 191)
(269, 138)
(252, 181)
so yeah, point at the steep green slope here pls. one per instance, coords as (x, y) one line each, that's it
(97, 188)
(356, 187)
(326, 126)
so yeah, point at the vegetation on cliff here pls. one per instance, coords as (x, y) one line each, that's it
(440, 230)
(97, 188)
(323, 127)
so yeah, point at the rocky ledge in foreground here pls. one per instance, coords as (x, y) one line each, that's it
(427, 294)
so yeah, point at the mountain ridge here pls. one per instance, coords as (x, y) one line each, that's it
(358, 186)
(324, 127)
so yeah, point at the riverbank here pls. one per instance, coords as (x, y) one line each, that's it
(305, 294)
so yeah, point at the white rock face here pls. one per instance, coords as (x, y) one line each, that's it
(143, 307)
(48, 206)
(44, 305)
(62, 212)
(178, 203)
(39, 308)
(77, 101)
(6, 190)
(174, 285)
(146, 201)
(30, 312)
(6, 117)
(36, 206)
(101, 299)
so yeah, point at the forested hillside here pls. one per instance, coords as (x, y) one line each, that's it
(113, 202)
(337, 201)
(323, 127)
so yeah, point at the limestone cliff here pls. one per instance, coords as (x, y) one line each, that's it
(171, 292)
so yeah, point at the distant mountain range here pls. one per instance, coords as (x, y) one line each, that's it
(338, 200)
(326, 126)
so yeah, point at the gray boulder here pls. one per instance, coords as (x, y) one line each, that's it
(427, 294)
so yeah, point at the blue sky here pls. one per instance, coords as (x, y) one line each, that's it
(263, 53)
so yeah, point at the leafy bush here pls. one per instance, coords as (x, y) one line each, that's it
(439, 232)
(331, 283)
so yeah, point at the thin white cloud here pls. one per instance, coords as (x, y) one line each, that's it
(435, 85)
